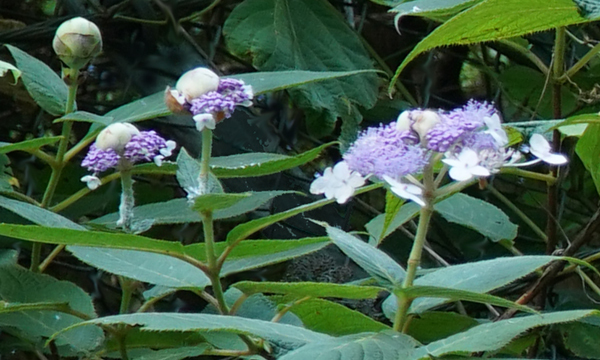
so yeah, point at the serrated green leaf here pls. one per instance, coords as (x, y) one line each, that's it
(312, 289)
(16, 285)
(433, 9)
(6, 67)
(588, 148)
(211, 202)
(417, 291)
(28, 144)
(260, 164)
(38, 215)
(495, 20)
(144, 266)
(45, 87)
(330, 317)
(84, 116)
(311, 36)
(478, 215)
(277, 333)
(393, 204)
(581, 339)
(480, 277)
(495, 335)
(188, 175)
(178, 211)
(365, 346)
(374, 261)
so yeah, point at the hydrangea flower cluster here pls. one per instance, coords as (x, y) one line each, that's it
(209, 98)
(123, 142)
(470, 139)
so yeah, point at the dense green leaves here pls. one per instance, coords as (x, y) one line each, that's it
(588, 148)
(17, 285)
(45, 87)
(478, 215)
(366, 346)
(310, 35)
(374, 261)
(498, 19)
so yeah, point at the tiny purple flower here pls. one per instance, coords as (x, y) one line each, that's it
(385, 151)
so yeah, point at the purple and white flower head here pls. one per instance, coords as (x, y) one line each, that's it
(209, 98)
(123, 142)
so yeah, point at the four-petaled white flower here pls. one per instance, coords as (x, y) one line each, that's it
(339, 183)
(465, 166)
(204, 121)
(539, 146)
(405, 191)
(494, 128)
(92, 182)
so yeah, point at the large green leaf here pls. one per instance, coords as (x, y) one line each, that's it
(37, 215)
(478, 215)
(366, 346)
(178, 211)
(435, 325)
(588, 148)
(45, 87)
(260, 164)
(582, 339)
(84, 116)
(275, 332)
(480, 277)
(211, 202)
(495, 335)
(312, 289)
(305, 35)
(18, 285)
(144, 266)
(330, 317)
(497, 19)
(188, 176)
(28, 145)
(374, 261)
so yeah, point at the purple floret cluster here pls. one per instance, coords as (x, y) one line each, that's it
(229, 94)
(384, 150)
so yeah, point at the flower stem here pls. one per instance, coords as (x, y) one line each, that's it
(205, 162)
(414, 258)
(528, 174)
(127, 286)
(71, 76)
(127, 197)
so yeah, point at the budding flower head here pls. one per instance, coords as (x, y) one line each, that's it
(419, 121)
(196, 83)
(116, 136)
(77, 41)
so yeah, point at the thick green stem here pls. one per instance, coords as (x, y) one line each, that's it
(71, 77)
(548, 178)
(127, 286)
(127, 199)
(414, 258)
(205, 162)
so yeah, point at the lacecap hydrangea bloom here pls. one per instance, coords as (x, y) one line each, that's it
(122, 144)
(207, 97)
(470, 139)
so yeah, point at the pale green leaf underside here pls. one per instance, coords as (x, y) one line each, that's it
(312, 289)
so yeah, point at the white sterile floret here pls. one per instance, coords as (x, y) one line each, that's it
(539, 146)
(167, 151)
(205, 121)
(196, 83)
(92, 182)
(465, 166)
(494, 128)
(339, 183)
(116, 136)
(405, 191)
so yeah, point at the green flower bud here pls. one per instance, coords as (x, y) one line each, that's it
(77, 41)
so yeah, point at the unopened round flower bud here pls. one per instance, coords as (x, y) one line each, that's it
(77, 41)
(424, 121)
(197, 82)
(116, 136)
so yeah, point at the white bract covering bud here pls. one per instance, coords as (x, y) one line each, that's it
(197, 82)
(420, 121)
(116, 136)
(77, 41)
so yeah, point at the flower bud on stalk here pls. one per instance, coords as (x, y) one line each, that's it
(77, 41)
